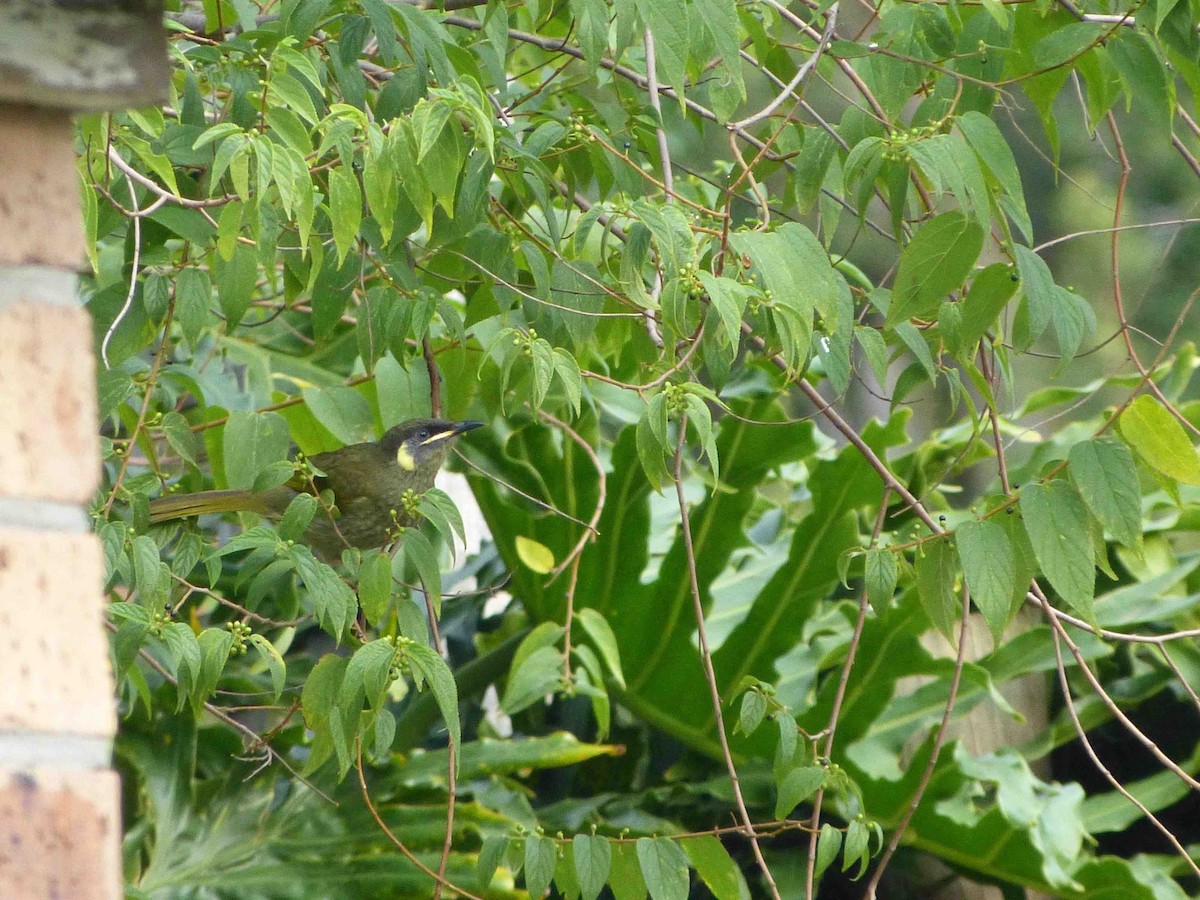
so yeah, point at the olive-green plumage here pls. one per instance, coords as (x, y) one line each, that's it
(366, 481)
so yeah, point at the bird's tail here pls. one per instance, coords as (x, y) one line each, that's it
(184, 505)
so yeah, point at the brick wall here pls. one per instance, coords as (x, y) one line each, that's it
(60, 827)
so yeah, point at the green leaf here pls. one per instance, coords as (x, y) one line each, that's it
(1160, 440)
(990, 292)
(937, 566)
(604, 640)
(536, 556)
(1103, 471)
(936, 262)
(193, 294)
(715, 867)
(880, 573)
(342, 410)
(297, 516)
(729, 298)
(148, 573)
(235, 283)
(541, 855)
(428, 667)
(252, 442)
(988, 567)
(856, 847)
(215, 644)
(754, 709)
(664, 867)
(181, 438)
(591, 22)
(668, 22)
(994, 152)
(829, 842)
(532, 679)
(1041, 293)
(626, 879)
(375, 586)
(333, 602)
(345, 210)
(1057, 523)
(181, 641)
(593, 860)
(417, 549)
(275, 664)
(495, 846)
(797, 786)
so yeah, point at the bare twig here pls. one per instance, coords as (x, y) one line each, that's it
(830, 730)
(706, 659)
(938, 741)
(439, 880)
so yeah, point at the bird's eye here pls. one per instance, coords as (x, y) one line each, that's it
(424, 433)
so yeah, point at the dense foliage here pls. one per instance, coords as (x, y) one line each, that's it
(751, 298)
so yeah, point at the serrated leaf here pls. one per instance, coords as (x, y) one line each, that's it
(593, 860)
(1057, 523)
(181, 438)
(433, 671)
(936, 262)
(937, 566)
(297, 516)
(275, 664)
(1041, 293)
(333, 602)
(541, 856)
(664, 867)
(1160, 440)
(988, 567)
(345, 210)
(252, 442)
(880, 573)
(1103, 471)
(375, 586)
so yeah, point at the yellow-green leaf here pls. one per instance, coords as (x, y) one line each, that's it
(536, 556)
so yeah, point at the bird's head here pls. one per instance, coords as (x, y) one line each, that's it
(423, 443)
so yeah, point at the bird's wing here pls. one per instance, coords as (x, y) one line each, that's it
(351, 473)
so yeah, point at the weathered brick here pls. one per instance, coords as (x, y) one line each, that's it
(48, 443)
(54, 663)
(59, 835)
(39, 191)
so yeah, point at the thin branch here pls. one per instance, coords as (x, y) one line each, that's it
(590, 532)
(799, 78)
(1086, 743)
(133, 273)
(439, 880)
(706, 659)
(938, 741)
(835, 712)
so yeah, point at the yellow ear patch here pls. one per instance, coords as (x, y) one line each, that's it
(438, 436)
(405, 459)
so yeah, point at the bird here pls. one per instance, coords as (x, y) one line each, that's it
(363, 488)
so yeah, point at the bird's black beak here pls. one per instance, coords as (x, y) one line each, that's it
(469, 425)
